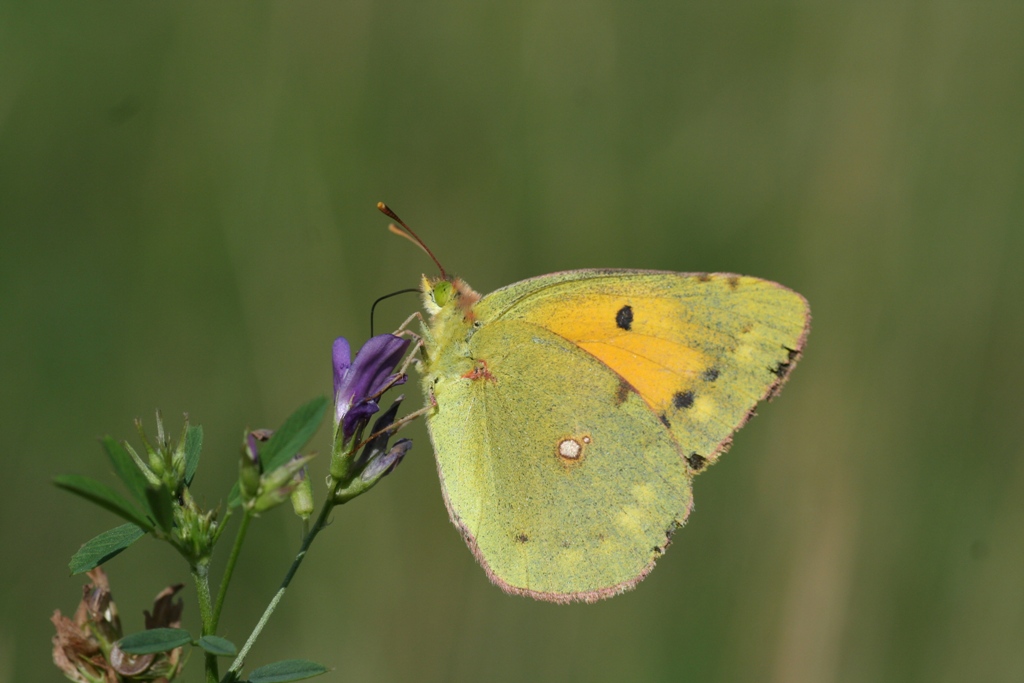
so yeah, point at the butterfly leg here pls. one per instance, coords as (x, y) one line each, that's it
(409, 334)
(411, 356)
(400, 332)
(401, 374)
(403, 332)
(398, 424)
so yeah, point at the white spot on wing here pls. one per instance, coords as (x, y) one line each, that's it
(570, 449)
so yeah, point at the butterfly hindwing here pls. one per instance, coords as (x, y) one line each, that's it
(564, 488)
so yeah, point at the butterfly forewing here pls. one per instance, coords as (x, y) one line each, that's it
(700, 349)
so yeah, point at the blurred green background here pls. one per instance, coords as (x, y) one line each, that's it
(187, 211)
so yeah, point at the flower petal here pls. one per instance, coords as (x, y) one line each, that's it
(341, 357)
(386, 463)
(375, 363)
(357, 384)
(375, 447)
(352, 416)
(252, 448)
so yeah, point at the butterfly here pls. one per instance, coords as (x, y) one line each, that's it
(570, 412)
(573, 410)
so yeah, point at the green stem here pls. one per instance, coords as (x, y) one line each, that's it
(321, 522)
(230, 569)
(223, 525)
(201, 577)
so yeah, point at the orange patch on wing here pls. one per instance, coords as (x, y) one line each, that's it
(657, 378)
(651, 354)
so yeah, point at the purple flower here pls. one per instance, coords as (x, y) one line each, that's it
(359, 382)
(358, 475)
(376, 461)
(252, 449)
(385, 463)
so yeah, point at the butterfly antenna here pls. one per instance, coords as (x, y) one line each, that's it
(387, 296)
(395, 230)
(410, 235)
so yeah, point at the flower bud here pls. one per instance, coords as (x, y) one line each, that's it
(156, 463)
(277, 486)
(166, 461)
(302, 495)
(249, 468)
(385, 464)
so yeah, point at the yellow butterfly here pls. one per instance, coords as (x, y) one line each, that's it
(571, 412)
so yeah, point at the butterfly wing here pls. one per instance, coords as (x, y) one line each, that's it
(564, 489)
(572, 416)
(701, 349)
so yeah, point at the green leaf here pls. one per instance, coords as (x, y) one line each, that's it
(293, 434)
(103, 547)
(287, 670)
(215, 645)
(126, 468)
(154, 640)
(235, 497)
(104, 496)
(193, 446)
(160, 503)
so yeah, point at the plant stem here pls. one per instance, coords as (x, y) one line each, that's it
(321, 522)
(230, 569)
(201, 577)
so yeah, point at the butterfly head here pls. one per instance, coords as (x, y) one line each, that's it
(448, 294)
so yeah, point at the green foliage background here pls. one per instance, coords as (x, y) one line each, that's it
(187, 212)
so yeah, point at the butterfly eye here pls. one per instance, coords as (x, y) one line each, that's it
(442, 292)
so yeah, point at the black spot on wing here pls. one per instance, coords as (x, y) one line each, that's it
(660, 549)
(696, 462)
(710, 375)
(683, 399)
(522, 538)
(624, 318)
(664, 420)
(782, 370)
(783, 367)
